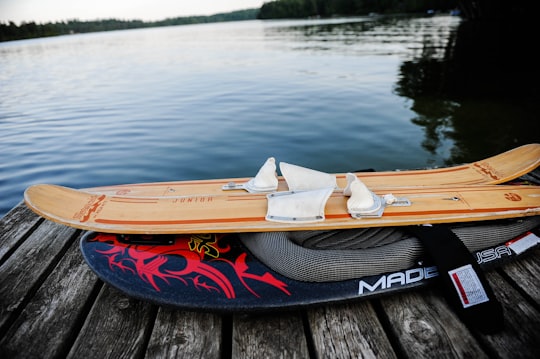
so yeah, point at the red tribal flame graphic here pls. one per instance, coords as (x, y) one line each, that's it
(148, 263)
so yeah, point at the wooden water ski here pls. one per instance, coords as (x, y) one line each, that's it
(246, 213)
(493, 170)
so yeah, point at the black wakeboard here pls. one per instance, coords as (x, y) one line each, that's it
(216, 272)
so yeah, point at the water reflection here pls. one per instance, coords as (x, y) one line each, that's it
(472, 85)
(363, 36)
(482, 95)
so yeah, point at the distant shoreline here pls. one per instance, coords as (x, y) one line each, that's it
(31, 30)
(281, 9)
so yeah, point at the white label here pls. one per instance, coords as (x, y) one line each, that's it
(521, 244)
(468, 286)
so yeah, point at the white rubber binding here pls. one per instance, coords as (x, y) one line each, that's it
(351, 178)
(265, 180)
(305, 179)
(298, 207)
(362, 202)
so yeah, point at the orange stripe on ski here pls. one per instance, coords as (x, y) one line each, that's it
(328, 216)
(180, 221)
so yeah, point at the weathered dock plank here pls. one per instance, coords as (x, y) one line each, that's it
(523, 274)
(350, 330)
(59, 303)
(14, 226)
(116, 327)
(25, 270)
(181, 334)
(425, 327)
(521, 334)
(276, 335)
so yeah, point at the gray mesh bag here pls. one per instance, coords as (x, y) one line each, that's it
(322, 256)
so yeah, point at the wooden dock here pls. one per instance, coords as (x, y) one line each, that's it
(53, 306)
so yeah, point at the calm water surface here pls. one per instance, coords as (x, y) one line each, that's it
(215, 100)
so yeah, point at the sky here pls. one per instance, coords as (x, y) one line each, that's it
(43, 11)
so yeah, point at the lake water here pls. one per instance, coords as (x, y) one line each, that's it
(215, 100)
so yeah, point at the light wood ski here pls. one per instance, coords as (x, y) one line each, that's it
(493, 170)
(231, 212)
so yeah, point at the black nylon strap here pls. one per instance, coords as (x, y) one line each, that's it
(462, 279)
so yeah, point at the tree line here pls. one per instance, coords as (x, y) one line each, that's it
(12, 31)
(326, 8)
(271, 10)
